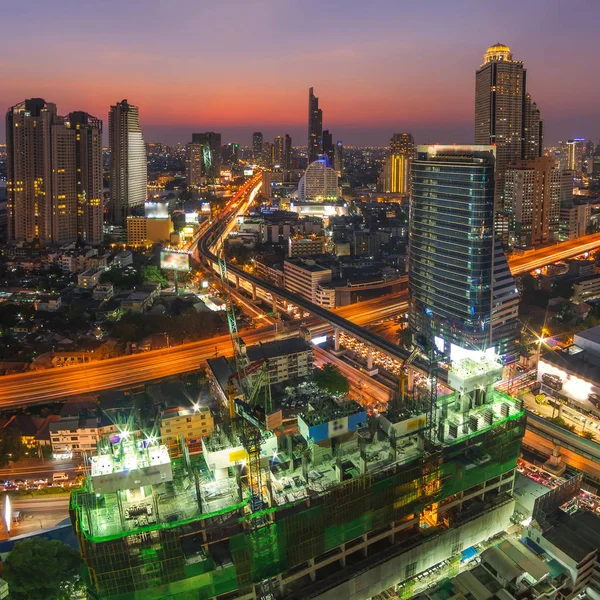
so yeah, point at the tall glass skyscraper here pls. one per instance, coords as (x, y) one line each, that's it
(315, 127)
(461, 289)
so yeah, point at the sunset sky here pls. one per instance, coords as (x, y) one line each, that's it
(237, 66)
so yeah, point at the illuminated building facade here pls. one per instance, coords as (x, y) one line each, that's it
(278, 151)
(402, 153)
(54, 175)
(193, 165)
(128, 166)
(532, 202)
(319, 182)
(504, 114)
(211, 153)
(460, 286)
(315, 127)
(88, 158)
(575, 153)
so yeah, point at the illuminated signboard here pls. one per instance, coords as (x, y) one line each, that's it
(191, 217)
(175, 261)
(319, 340)
(248, 172)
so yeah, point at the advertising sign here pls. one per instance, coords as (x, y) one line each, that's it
(175, 261)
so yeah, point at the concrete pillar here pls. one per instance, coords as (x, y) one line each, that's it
(336, 339)
(365, 550)
(343, 557)
(410, 381)
(237, 282)
(254, 298)
(274, 304)
(313, 573)
(370, 359)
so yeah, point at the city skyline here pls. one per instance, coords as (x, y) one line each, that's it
(365, 90)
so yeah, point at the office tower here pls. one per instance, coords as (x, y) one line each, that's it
(278, 151)
(319, 182)
(231, 153)
(500, 103)
(575, 151)
(461, 289)
(211, 153)
(402, 153)
(42, 178)
(533, 130)
(315, 127)
(128, 167)
(257, 147)
(193, 165)
(88, 162)
(328, 146)
(338, 159)
(530, 202)
(287, 152)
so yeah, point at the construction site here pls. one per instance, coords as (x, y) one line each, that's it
(348, 506)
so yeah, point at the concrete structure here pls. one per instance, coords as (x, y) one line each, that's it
(530, 202)
(103, 291)
(89, 279)
(187, 424)
(302, 277)
(299, 246)
(144, 231)
(319, 182)
(193, 166)
(503, 113)
(54, 175)
(128, 166)
(574, 220)
(287, 359)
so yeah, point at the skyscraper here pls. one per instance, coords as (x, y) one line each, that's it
(328, 145)
(257, 147)
(338, 162)
(460, 287)
(128, 166)
(268, 155)
(575, 152)
(211, 153)
(530, 202)
(504, 115)
(231, 153)
(278, 151)
(193, 165)
(88, 162)
(287, 152)
(54, 176)
(315, 127)
(402, 153)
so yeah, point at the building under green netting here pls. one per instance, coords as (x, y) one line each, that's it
(348, 506)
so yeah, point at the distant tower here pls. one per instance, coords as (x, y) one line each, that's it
(257, 147)
(211, 153)
(128, 166)
(287, 152)
(315, 127)
(278, 151)
(504, 116)
(402, 153)
(88, 158)
(193, 165)
(338, 159)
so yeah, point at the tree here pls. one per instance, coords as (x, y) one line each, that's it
(152, 274)
(331, 380)
(41, 569)
(11, 446)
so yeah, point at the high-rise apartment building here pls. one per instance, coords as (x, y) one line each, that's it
(278, 151)
(575, 151)
(257, 147)
(461, 289)
(211, 153)
(88, 163)
(268, 155)
(315, 127)
(287, 152)
(231, 153)
(530, 201)
(193, 165)
(402, 153)
(504, 115)
(319, 182)
(128, 166)
(54, 175)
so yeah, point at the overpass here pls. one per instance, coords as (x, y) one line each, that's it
(536, 259)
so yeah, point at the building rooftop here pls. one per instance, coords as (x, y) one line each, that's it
(277, 348)
(577, 535)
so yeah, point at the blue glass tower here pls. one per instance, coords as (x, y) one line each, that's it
(460, 286)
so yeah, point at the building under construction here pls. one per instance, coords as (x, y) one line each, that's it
(345, 508)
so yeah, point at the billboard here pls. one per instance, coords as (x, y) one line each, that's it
(191, 217)
(175, 261)
(156, 210)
